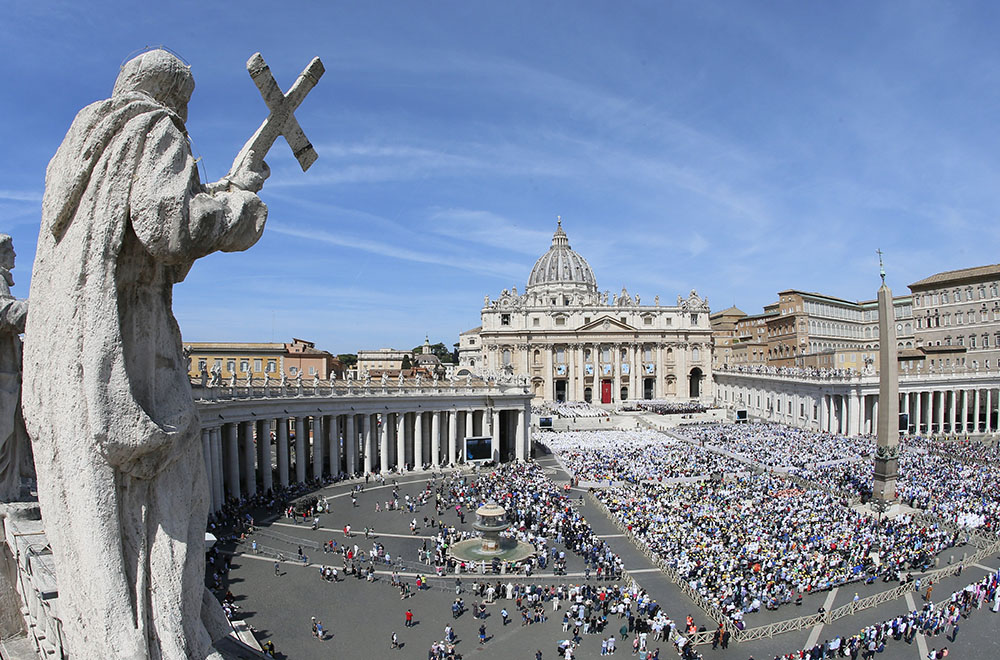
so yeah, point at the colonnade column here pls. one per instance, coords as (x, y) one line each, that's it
(233, 460)
(941, 397)
(436, 439)
(452, 437)
(281, 433)
(383, 445)
(249, 460)
(318, 434)
(401, 442)
(975, 412)
(582, 365)
(206, 451)
(331, 433)
(215, 437)
(965, 410)
(918, 411)
(989, 410)
(952, 410)
(369, 447)
(300, 449)
(351, 444)
(418, 441)
(264, 454)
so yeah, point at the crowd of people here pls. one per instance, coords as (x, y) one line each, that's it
(776, 445)
(797, 372)
(568, 410)
(662, 407)
(635, 456)
(954, 481)
(758, 542)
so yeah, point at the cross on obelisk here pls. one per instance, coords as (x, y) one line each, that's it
(282, 120)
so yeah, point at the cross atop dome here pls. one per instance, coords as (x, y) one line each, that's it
(559, 239)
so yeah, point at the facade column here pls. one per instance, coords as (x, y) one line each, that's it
(823, 416)
(452, 437)
(917, 412)
(418, 441)
(282, 432)
(401, 442)
(233, 460)
(581, 365)
(873, 429)
(250, 460)
(351, 445)
(616, 376)
(300, 449)
(470, 423)
(495, 433)
(264, 454)
(521, 437)
(383, 445)
(906, 407)
(206, 451)
(218, 487)
(436, 439)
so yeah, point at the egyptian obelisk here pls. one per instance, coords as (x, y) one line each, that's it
(887, 442)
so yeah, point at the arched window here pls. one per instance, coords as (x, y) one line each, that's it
(537, 357)
(506, 357)
(695, 354)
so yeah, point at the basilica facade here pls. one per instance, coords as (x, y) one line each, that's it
(572, 342)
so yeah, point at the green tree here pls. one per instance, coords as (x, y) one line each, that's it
(438, 349)
(406, 363)
(348, 359)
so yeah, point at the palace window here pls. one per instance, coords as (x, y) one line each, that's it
(648, 320)
(202, 364)
(257, 365)
(535, 322)
(231, 366)
(560, 320)
(505, 319)
(271, 366)
(694, 319)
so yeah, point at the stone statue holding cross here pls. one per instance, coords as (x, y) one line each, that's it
(106, 397)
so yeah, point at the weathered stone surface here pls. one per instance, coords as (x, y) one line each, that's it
(15, 453)
(106, 396)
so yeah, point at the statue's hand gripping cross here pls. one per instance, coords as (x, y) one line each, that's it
(282, 120)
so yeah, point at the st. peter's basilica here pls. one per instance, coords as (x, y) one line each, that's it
(575, 343)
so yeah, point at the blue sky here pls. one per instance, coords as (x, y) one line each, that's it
(733, 147)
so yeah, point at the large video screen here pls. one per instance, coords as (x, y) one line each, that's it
(479, 449)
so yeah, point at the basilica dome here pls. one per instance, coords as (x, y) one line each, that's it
(561, 268)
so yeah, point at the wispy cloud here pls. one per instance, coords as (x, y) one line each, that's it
(21, 195)
(386, 249)
(489, 229)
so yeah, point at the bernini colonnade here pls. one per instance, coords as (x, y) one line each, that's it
(255, 436)
(959, 402)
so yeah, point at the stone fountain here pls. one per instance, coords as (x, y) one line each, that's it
(491, 545)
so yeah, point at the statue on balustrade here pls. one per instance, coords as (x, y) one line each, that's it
(107, 399)
(15, 450)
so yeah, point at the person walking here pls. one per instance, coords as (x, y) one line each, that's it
(394, 641)
(505, 616)
(482, 633)
(409, 618)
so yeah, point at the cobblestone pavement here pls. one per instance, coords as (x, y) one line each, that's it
(359, 617)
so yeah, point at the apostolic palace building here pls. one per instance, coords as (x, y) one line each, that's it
(575, 343)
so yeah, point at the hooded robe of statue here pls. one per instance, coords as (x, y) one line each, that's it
(107, 400)
(15, 452)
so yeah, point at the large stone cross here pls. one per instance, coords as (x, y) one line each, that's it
(282, 120)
